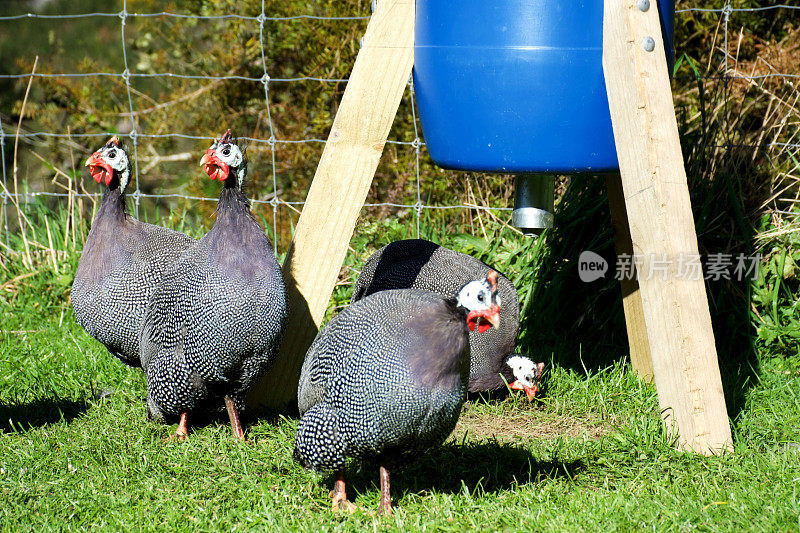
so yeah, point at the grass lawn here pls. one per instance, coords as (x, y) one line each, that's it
(590, 454)
(76, 451)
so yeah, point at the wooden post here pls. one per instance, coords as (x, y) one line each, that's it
(344, 174)
(631, 298)
(674, 304)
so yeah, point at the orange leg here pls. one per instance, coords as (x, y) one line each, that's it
(182, 433)
(236, 426)
(339, 496)
(385, 506)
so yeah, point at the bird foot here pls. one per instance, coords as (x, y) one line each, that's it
(338, 495)
(182, 433)
(177, 436)
(343, 504)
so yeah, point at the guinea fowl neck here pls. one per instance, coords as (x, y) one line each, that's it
(441, 359)
(236, 231)
(232, 201)
(458, 310)
(113, 204)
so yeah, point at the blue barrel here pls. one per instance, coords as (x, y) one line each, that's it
(515, 85)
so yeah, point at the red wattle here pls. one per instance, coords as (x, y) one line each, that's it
(530, 392)
(216, 170)
(98, 166)
(474, 320)
(97, 173)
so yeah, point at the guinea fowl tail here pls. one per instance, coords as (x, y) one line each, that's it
(318, 444)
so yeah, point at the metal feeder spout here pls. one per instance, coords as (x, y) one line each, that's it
(533, 203)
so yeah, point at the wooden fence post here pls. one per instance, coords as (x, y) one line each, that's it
(674, 304)
(631, 297)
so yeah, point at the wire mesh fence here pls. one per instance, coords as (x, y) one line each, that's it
(153, 84)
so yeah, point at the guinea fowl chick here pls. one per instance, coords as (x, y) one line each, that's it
(216, 321)
(385, 380)
(122, 261)
(421, 264)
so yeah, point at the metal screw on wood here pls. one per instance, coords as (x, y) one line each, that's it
(643, 5)
(648, 43)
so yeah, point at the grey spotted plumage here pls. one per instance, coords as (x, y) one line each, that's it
(385, 379)
(421, 264)
(215, 323)
(122, 261)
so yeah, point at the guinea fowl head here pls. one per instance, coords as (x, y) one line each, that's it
(526, 375)
(110, 162)
(480, 299)
(223, 157)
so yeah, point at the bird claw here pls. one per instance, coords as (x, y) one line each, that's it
(339, 496)
(177, 436)
(343, 505)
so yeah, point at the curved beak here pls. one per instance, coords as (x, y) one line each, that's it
(213, 166)
(98, 168)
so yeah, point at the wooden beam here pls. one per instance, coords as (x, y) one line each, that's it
(344, 174)
(631, 298)
(675, 306)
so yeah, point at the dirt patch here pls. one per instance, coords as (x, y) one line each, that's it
(527, 424)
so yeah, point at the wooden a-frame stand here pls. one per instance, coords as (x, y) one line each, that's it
(668, 321)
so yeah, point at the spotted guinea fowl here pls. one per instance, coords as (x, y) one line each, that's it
(122, 261)
(216, 321)
(385, 380)
(423, 264)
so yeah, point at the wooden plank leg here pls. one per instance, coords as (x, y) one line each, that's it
(674, 302)
(344, 174)
(631, 298)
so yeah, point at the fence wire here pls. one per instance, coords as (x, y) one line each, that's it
(8, 131)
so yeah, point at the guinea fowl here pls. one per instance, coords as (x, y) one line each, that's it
(386, 378)
(216, 321)
(421, 264)
(122, 261)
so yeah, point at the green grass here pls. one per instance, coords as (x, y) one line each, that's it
(76, 450)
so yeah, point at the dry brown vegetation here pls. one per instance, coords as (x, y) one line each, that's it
(527, 424)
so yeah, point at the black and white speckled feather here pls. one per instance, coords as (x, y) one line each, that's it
(216, 321)
(121, 264)
(423, 264)
(384, 380)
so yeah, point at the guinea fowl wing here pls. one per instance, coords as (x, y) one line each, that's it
(119, 270)
(341, 340)
(197, 302)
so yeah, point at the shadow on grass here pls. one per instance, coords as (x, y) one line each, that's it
(583, 325)
(453, 468)
(38, 413)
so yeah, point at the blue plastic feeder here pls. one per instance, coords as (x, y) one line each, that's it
(517, 86)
